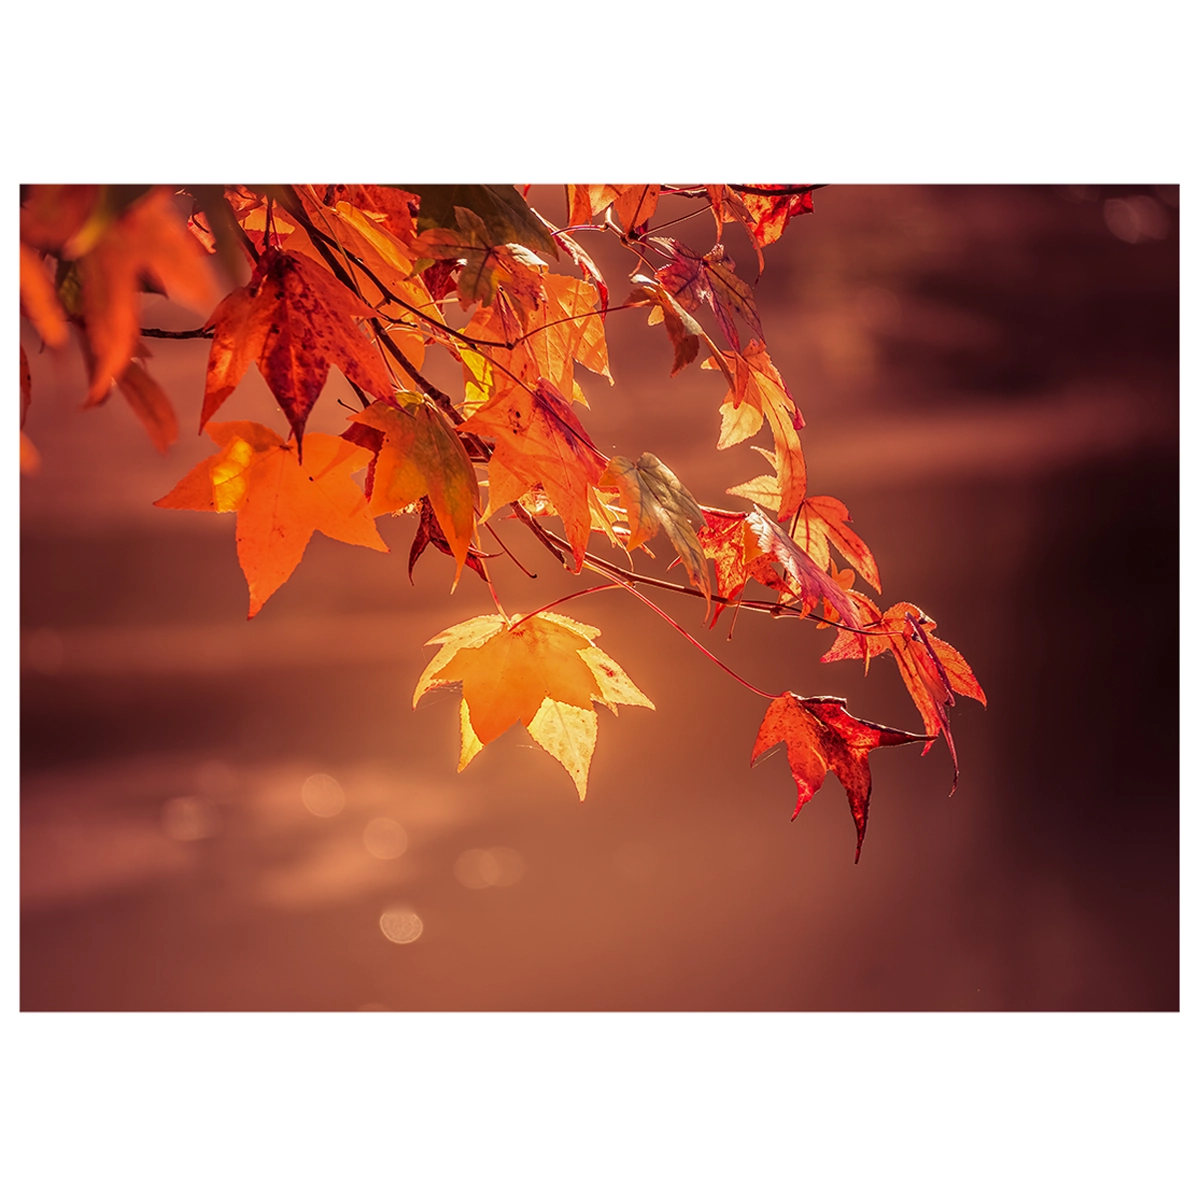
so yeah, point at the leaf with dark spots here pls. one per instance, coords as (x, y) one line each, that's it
(294, 320)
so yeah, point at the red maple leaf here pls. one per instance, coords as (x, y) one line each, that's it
(293, 319)
(821, 736)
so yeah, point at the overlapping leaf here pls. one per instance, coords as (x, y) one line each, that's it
(821, 736)
(821, 521)
(747, 546)
(540, 443)
(654, 500)
(121, 240)
(698, 279)
(420, 455)
(486, 267)
(293, 319)
(932, 670)
(279, 502)
(544, 671)
(566, 330)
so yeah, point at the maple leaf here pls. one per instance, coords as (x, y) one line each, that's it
(146, 242)
(757, 390)
(803, 577)
(293, 319)
(420, 455)
(821, 736)
(769, 214)
(543, 670)
(568, 330)
(695, 279)
(820, 522)
(655, 500)
(583, 261)
(932, 670)
(634, 207)
(748, 546)
(540, 443)
(279, 502)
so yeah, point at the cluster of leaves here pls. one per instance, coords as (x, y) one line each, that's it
(372, 279)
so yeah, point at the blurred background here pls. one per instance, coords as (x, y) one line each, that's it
(227, 815)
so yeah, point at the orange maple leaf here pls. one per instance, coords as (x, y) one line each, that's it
(540, 443)
(544, 671)
(420, 455)
(758, 390)
(932, 670)
(820, 522)
(279, 502)
(293, 319)
(821, 736)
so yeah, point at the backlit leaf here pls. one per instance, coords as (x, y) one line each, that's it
(544, 671)
(293, 319)
(279, 502)
(821, 736)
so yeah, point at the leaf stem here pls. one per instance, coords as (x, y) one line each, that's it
(679, 628)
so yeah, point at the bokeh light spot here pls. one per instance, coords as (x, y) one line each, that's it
(190, 818)
(497, 866)
(401, 925)
(323, 795)
(385, 838)
(1136, 219)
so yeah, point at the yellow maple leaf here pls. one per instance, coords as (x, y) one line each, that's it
(544, 671)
